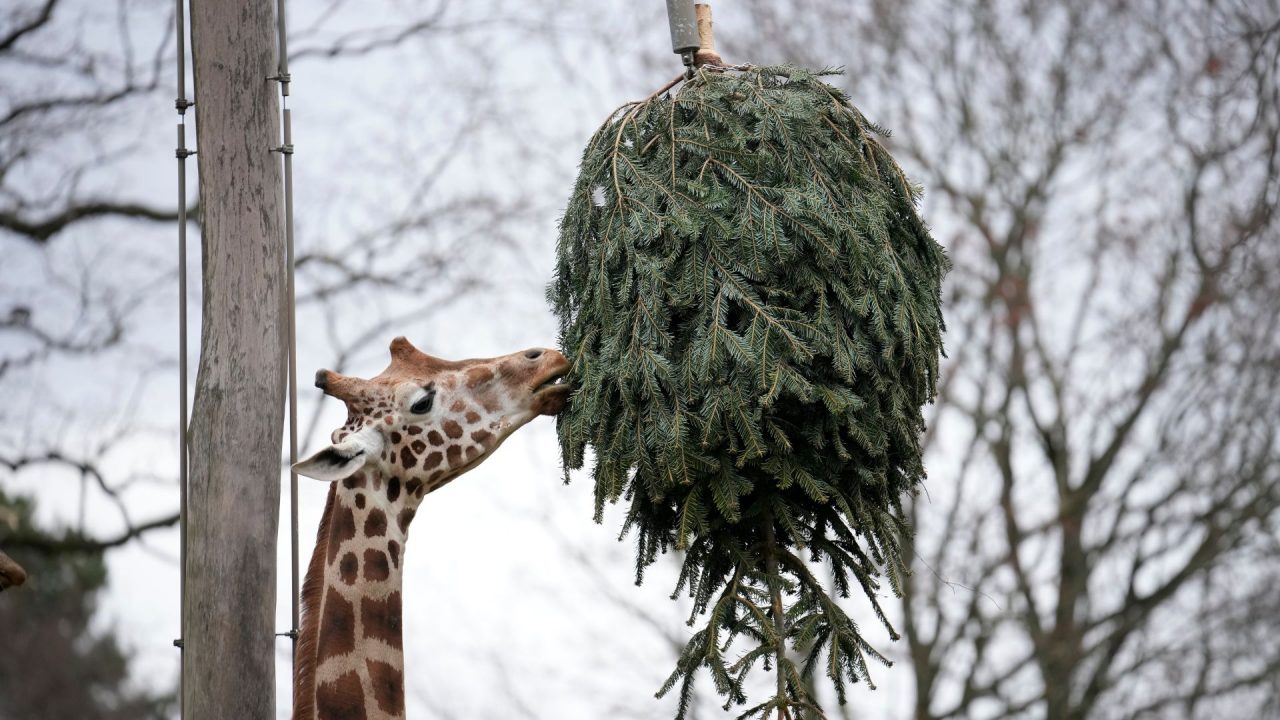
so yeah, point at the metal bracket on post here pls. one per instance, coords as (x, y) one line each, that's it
(684, 31)
(284, 79)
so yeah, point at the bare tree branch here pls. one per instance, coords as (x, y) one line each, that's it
(23, 28)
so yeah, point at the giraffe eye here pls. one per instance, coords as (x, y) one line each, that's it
(423, 405)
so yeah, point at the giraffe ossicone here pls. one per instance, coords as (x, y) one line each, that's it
(410, 430)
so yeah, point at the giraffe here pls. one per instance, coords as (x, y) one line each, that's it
(418, 425)
(11, 573)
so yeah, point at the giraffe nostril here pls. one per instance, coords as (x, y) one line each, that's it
(533, 354)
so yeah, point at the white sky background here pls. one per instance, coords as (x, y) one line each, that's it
(501, 619)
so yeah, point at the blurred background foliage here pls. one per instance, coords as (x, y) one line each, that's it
(57, 662)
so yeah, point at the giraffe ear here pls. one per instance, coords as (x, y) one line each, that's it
(330, 464)
(340, 460)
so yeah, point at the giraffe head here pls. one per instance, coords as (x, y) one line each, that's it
(420, 423)
(424, 421)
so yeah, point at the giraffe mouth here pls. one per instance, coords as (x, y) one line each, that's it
(554, 380)
(553, 383)
(552, 393)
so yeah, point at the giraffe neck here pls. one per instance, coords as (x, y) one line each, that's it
(350, 652)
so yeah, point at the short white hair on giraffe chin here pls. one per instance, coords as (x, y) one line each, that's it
(340, 460)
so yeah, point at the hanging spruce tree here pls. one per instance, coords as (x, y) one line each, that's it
(752, 307)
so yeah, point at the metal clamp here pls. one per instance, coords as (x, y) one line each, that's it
(684, 28)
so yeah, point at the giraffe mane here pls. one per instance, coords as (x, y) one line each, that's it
(304, 672)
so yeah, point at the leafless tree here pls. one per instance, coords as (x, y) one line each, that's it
(1098, 536)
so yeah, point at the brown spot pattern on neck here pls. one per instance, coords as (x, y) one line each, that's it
(350, 649)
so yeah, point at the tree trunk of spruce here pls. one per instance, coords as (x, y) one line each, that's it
(240, 388)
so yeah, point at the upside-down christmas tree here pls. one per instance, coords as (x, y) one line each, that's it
(752, 307)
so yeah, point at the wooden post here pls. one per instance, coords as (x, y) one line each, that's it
(706, 54)
(238, 413)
